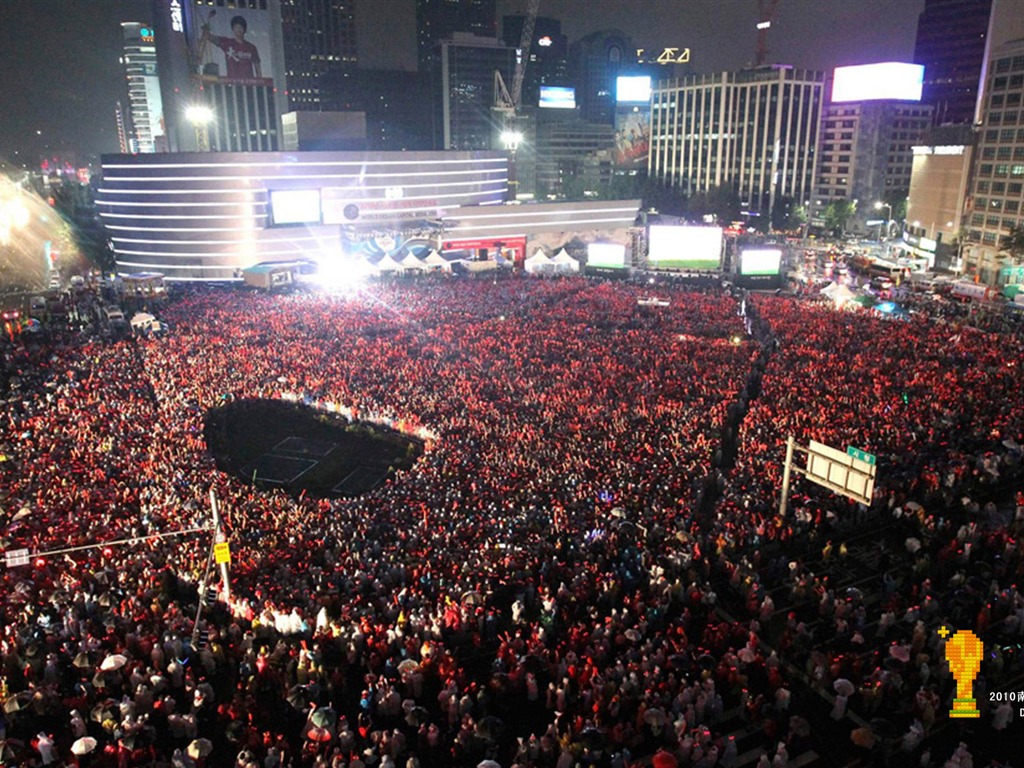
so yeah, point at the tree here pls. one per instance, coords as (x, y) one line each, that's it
(722, 202)
(787, 215)
(836, 214)
(1013, 242)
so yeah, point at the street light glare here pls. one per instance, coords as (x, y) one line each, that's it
(198, 114)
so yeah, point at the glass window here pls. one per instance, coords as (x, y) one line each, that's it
(995, 204)
(1011, 206)
(1009, 223)
(977, 220)
(1014, 188)
(1004, 153)
(992, 135)
(999, 83)
(996, 101)
(1012, 100)
(988, 153)
(1017, 170)
(981, 186)
(992, 221)
(844, 158)
(1006, 134)
(989, 238)
(985, 169)
(980, 202)
(1003, 65)
(1002, 169)
(998, 187)
(995, 118)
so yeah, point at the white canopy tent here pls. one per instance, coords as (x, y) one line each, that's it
(411, 263)
(435, 261)
(566, 262)
(539, 263)
(388, 264)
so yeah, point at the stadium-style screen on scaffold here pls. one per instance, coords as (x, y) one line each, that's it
(607, 255)
(557, 97)
(760, 261)
(684, 247)
(295, 206)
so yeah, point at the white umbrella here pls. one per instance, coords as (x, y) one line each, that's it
(912, 545)
(21, 514)
(113, 662)
(83, 746)
(199, 748)
(913, 506)
(843, 687)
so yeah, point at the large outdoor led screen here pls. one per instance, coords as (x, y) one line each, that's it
(557, 97)
(606, 255)
(685, 247)
(633, 89)
(295, 206)
(760, 262)
(871, 82)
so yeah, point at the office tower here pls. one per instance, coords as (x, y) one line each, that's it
(438, 20)
(143, 124)
(755, 131)
(464, 73)
(994, 207)
(546, 62)
(319, 38)
(872, 122)
(595, 62)
(951, 39)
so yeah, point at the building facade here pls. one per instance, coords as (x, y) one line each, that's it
(867, 153)
(595, 61)
(997, 194)
(464, 78)
(938, 195)
(438, 20)
(756, 131)
(143, 125)
(319, 37)
(951, 40)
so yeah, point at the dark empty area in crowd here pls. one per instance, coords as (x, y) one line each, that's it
(275, 443)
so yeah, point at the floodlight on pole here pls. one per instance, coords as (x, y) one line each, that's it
(888, 218)
(200, 116)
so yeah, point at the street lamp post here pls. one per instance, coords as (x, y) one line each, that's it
(888, 218)
(200, 116)
(511, 139)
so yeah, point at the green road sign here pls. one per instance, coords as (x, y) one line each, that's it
(864, 456)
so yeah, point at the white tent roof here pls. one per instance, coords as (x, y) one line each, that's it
(411, 262)
(435, 258)
(539, 258)
(562, 255)
(539, 252)
(140, 319)
(388, 264)
(830, 289)
(842, 294)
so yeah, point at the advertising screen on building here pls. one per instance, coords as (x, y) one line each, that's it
(606, 255)
(685, 247)
(235, 45)
(557, 97)
(633, 89)
(760, 261)
(872, 82)
(154, 102)
(632, 139)
(295, 206)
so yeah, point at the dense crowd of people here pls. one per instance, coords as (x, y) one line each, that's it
(582, 570)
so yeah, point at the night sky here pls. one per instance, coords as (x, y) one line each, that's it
(62, 78)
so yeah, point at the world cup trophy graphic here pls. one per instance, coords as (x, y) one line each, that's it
(963, 652)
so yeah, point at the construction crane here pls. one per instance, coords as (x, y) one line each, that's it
(507, 102)
(765, 12)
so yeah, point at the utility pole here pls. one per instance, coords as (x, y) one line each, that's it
(220, 538)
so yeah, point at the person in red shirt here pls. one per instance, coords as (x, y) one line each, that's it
(241, 56)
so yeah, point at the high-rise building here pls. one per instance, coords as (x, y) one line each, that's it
(951, 39)
(595, 61)
(221, 73)
(464, 75)
(438, 20)
(997, 196)
(755, 131)
(546, 62)
(873, 121)
(319, 38)
(392, 102)
(143, 125)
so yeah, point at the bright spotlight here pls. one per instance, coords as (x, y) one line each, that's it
(511, 138)
(197, 114)
(339, 274)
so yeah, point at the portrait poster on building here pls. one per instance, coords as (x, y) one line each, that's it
(234, 45)
(632, 139)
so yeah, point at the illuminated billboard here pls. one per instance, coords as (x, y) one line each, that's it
(606, 255)
(295, 206)
(235, 45)
(557, 97)
(684, 247)
(632, 139)
(873, 82)
(761, 261)
(633, 89)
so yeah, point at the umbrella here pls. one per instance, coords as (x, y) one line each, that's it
(663, 759)
(409, 665)
(472, 597)
(619, 513)
(21, 514)
(417, 716)
(82, 661)
(319, 735)
(489, 728)
(7, 750)
(199, 748)
(323, 718)
(863, 737)
(655, 717)
(16, 702)
(844, 687)
(488, 764)
(113, 662)
(912, 544)
(913, 506)
(592, 738)
(799, 726)
(298, 697)
(900, 652)
(105, 710)
(632, 635)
